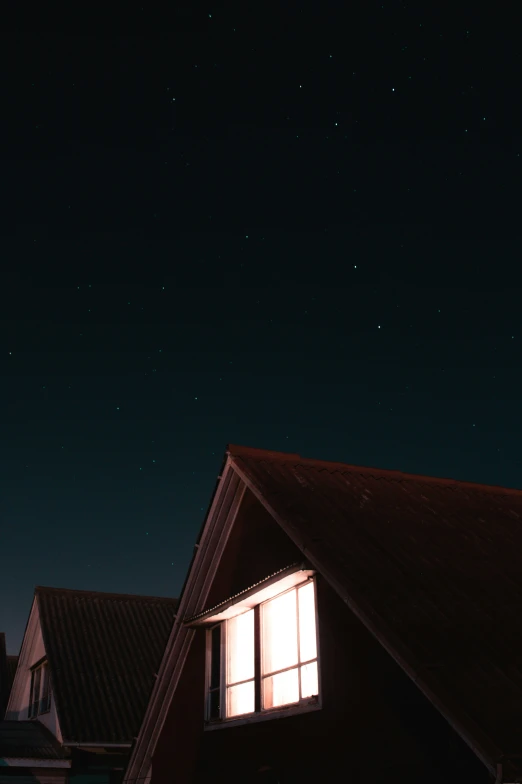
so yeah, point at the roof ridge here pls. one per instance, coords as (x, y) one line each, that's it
(40, 589)
(236, 451)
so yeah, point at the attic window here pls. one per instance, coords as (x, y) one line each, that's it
(264, 659)
(40, 691)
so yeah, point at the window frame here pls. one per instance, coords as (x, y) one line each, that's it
(305, 705)
(40, 673)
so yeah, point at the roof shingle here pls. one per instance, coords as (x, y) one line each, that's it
(433, 564)
(103, 651)
(28, 739)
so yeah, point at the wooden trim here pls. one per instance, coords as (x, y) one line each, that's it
(220, 519)
(208, 665)
(34, 762)
(257, 658)
(223, 671)
(39, 663)
(318, 642)
(276, 713)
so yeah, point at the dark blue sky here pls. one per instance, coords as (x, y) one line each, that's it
(294, 232)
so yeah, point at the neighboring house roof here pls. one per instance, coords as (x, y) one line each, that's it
(103, 651)
(432, 567)
(7, 671)
(29, 739)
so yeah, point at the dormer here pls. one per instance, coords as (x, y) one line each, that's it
(31, 694)
(87, 665)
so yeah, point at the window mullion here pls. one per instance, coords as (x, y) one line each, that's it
(224, 662)
(208, 660)
(298, 642)
(31, 695)
(257, 658)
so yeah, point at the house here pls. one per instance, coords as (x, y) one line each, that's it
(7, 670)
(341, 623)
(85, 672)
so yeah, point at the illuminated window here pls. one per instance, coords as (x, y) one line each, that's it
(264, 658)
(40, 690)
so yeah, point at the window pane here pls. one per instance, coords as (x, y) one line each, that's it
(45, 700)
(31, 696)
(36, 690)
(241, 699)
(37, 678)
(281, 689)
(309, 680)
(307, 635)
(215, 657)
(215, 704)
(240, 647)
(279, 640)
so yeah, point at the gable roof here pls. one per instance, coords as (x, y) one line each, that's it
(7, 671)
(103, 651)
(29, 740)
(430, 566)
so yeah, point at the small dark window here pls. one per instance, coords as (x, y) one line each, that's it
(36, 690)
(40, 691)
(31, 696)
(215, 670)
(45, 699)
(214, 696)
(215, 707)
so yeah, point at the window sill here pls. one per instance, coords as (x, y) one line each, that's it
(254, 718)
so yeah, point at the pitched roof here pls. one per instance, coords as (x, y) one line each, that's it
(28, 739)
(103, 651)
(432, 567)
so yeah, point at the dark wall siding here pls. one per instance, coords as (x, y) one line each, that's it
(374, 725)
(257, 547)
(179, 744)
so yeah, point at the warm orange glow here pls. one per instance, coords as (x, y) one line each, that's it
(279, 648)
(309, 680)
(281, 689)
(240, 648)
(241, 699)
(288, 638)
(240, 664)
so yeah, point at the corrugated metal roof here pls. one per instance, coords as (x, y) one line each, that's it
(235, 597)
(433, 564)
(103, 651)
(28, 739)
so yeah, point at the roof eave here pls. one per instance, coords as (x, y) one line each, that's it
(34, 762)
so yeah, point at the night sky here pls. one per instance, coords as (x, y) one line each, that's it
(263, 224)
